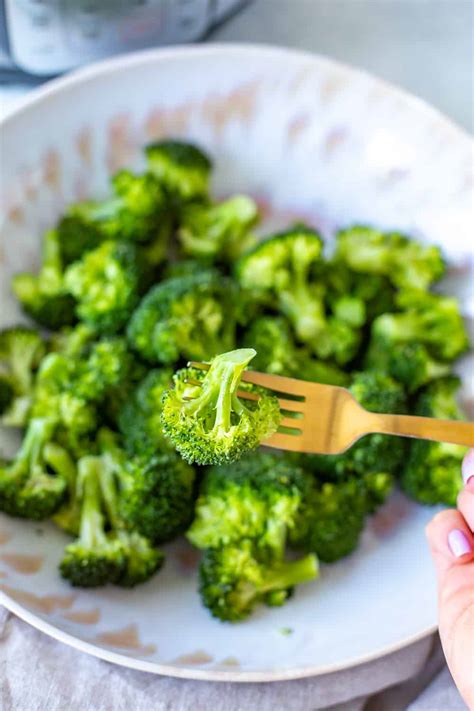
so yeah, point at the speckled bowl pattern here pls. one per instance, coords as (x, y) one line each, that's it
(309, 138)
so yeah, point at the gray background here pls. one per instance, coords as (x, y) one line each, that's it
(424, 46)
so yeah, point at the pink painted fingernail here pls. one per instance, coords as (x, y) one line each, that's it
(468, 469)
(458, 543)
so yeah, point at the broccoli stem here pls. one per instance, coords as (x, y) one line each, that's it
(289, 574)
(29, 457)
(92, 519)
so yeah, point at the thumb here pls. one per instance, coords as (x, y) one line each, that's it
(452, 547)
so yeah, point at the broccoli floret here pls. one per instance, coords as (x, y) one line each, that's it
(412, 365)
(78, 231)
(183, 169)
(30, 487)
(368, 295)
(278, 273)
(186, 317)
(278, 353)
(284, 273)
(256, 498)
(21, 351)
(140, 417)
(208, 423)
(106, 284)
(106, 551)
(430, 319)
(43, 296)
(332, 520)
(376, 392)
(96, 557)
(432, 474)
(406, 262)
(220, 232)
(73, 342)
(67, 517)
(158, 499)
(106, 366)
(76, 417)
(233, 580)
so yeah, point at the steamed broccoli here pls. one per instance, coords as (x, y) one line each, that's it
(43, 296)
(156, 491)
(140, 417)
(183, 169)
(21, 351)
(106, 551)
(332, 519)
(376, 392)
(257, 498)
(95, 558)
(430, 319)
(30, 486)
(106, 283)
(412, 365)
(404, 261)
(218, 232)
(234, 579)
(278, 353)
(365, 295)
(279, 273)
(186, 317)
(208, 423)
(284, 273)
(432, 474)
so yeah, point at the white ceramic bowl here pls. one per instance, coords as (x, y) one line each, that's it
(310, 138)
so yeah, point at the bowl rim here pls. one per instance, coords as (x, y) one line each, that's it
(110, 66)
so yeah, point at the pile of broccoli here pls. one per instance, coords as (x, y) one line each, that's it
(127, 445)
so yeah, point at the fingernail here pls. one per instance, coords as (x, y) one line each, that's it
(458, 543)
(468, 469)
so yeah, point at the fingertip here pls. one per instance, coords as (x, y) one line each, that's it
(468, 469)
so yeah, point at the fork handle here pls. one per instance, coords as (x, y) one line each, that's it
(450, 431)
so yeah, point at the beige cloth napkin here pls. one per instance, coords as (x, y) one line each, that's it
(39, 674)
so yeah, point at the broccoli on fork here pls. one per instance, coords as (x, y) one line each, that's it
(208, 423)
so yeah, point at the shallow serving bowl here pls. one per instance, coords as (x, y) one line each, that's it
(311, 139)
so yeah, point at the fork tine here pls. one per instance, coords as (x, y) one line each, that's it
(293, 443)
(293, 423)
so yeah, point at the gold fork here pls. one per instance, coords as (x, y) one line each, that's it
(325, 419)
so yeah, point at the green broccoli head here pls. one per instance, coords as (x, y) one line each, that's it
(432, 474)
(139, 419)
(30, 487)
(43, 296)
(183, 169)
(256, 498)
(356, 297)
(220, 232)
(279, 273)
(412, 365)
(158, 496)
(409, 264)
(142, 559)
(430, 319)
(186, 317)
(208, 422)
(278, 353)
(21, 351)
(233, 580)
(332, 520)
(78, 231)
(106, 366)
(96, 557)
(106, 285)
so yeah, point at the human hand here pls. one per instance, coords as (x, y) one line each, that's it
(451, 539)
